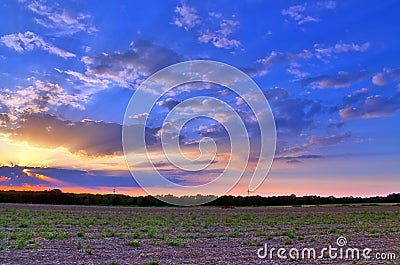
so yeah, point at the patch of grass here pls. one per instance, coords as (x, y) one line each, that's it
(151, 262)
(109, 233)
(288, 241)
(88, 250)
(133, 243)
(78, 245)
(19, 244)
(13, 236)
(177, 242)
(55, 235)
(80, 234)
(248, 243)
(151, 233)
(23, 224)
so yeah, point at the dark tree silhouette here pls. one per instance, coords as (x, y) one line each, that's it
(56, 196)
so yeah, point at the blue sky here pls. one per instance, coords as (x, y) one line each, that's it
(329, 69)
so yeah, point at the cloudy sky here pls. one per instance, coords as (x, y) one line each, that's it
(329, 69)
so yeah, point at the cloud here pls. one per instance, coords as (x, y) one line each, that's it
(84, 138)
(292, 115)
(380, 80)
(220, 38)
(394, 73)
(38, 98)
(186, 16)
(342, 79)
(29, 41)
(356, 97)
(297, 159)
(168, 103)
(63, 178)
(213, 29)
(129, 68)
(276, 94)
(333, 139)
(318, 51)
(312, 142)
(5, 119)
(88, 138)
(307, 13)
(297, 73)
(342, 47)
(139, 117)
(276, 57)
(59, 19)
(372, 107)
(297, 13)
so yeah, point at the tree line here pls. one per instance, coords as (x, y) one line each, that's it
(56, 196)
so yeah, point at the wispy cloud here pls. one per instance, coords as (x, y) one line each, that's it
(29, 41)
(297, 13)
(212, 29)
(52, 16)
(186, 16)
(298, 158)
(307, 12)
(220, 37)
(276, 57)
(340, 47)
(339, 80)
(319, 51)
(329, 140)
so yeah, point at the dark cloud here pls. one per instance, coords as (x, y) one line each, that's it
(372, 107)
(294, 115)
(342, 79)
(297, 159)
(63, 178)
(275, 94)
(293, 161)
(128, 68)
(4, 119)
(86, 137)
(168, 103)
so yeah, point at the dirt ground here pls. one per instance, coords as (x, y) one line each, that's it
(45, 234)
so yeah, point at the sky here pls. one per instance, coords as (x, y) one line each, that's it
(329, 69)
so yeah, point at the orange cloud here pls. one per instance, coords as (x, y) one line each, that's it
(4, 178)
(44, 177)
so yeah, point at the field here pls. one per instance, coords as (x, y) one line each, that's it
(43, 234)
